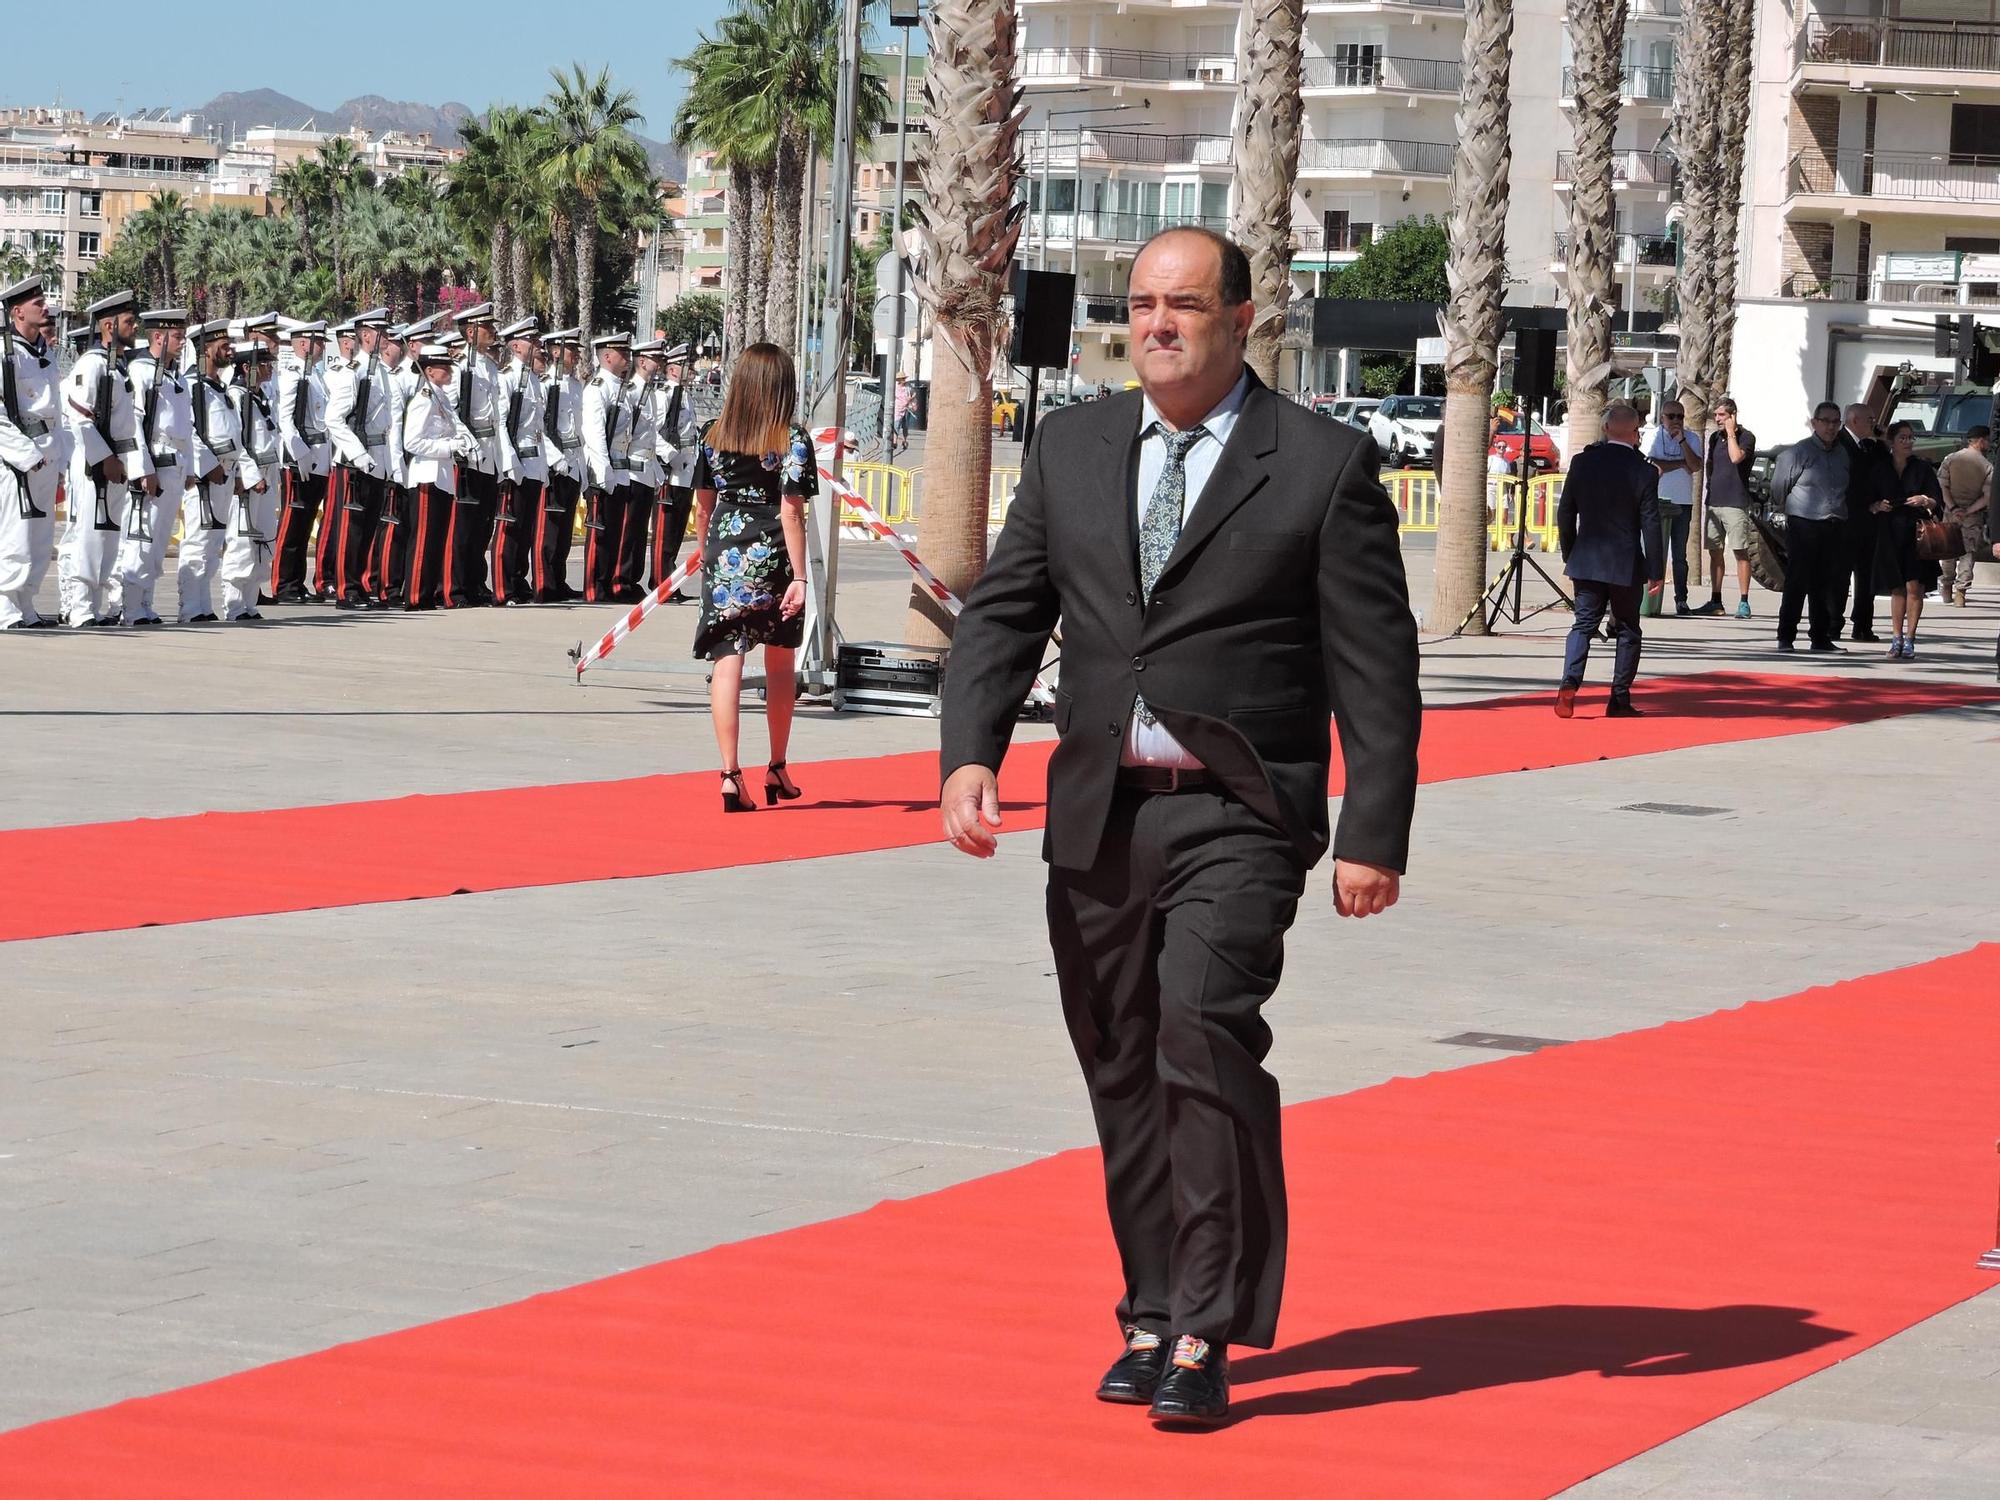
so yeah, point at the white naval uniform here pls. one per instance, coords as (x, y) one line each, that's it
(475, 394)
(524, 423)
(209, 511)
(562, 422)
(606, 450)
(678, 449)
(33, 447)
(434, 439)
(96, 507)
(254, 521)
(167, 409)
(362, 440)
(301, 413)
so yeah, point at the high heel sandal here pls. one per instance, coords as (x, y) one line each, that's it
(735, 799)
(775, 786)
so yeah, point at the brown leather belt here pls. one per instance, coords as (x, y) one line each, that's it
(1165, 779)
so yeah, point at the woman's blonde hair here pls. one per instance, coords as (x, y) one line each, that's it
(757, 410)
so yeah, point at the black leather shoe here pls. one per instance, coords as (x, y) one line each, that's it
(1135, 1375)
(1621, 708)
(1195, 1390)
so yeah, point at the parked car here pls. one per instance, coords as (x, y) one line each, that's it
(1543, 456)
(1353, 410)
(1405, 428)
(1006, 412)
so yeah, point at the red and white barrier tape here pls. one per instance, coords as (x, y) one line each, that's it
(636, 615)
(882, 531)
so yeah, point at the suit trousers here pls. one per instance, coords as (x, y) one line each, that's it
(670, 524)
(430, 511)
(468, 533)
(634, 504)
(1854, 583)
(513, 538)
(1592, 600)
(1166, 950)
(383, 578)
(326, 542)
(1816, 564)
(302, 498)
(600, 544)
(360, 514)
(555, 524)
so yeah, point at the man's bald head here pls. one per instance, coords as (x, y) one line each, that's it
(1621, 423)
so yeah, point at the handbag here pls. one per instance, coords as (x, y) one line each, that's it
(1939, 541)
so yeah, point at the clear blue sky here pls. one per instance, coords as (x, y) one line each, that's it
(326, 53)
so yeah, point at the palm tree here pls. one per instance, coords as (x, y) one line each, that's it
(13, 262)
(475, 190)
(591, 153)
(341, 163)
(158, 228)
(1733, 123)
(1697, 99)
(1475, 271)
(1597, 37)
(974, 220)
(302, 189)
(1270, 43)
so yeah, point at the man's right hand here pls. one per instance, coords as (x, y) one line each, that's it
(970, 805)
(114, 470)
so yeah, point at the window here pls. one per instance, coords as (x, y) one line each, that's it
(86, 245)
(52, 200)
(1975, 134)
(1355, 65)
(90, 205)
(50, 239)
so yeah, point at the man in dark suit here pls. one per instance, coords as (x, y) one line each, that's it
(1609, 523)
(1225, 567)
(1856, 579)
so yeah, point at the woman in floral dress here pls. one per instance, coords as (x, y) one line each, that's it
(752, 479)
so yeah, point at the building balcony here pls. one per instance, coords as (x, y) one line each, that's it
(1844, 49)
(1386, 75)
(1102, 310)
(1385, 7)
(1360, 158)
(1104, 227)
(1920, 182)
(1196, 70)
(1136, 148)
(1936, 296)
(1630, 252)
(1629, 169)
(1642, 88)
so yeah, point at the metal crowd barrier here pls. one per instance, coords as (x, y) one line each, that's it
(1414, 493)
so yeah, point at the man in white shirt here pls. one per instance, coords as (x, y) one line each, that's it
(1676, 456)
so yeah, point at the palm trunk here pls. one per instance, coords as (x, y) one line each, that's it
(339, 255)
(736, 275)
(758, 291)
(561, 299)
(1597, 35)
(969, 235)
(1698, 102)
(1270, 43)
(496, 259)
(522, 275)
(1475, 272)
(1733, 123)
(782, 304)
(583, 239)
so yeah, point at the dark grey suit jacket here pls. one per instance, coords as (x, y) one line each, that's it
(1609, 517)
(1283, 604)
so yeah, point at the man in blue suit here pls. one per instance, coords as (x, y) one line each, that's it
(1608, 524)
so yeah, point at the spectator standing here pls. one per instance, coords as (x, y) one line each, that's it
(1906, 491)
(1966, 477)
(1865, 454)
(905, 409)
(1609, 530)
(1676, 456)
(1731, 449)
(1809, 486)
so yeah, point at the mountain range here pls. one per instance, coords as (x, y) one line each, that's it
(233, 113)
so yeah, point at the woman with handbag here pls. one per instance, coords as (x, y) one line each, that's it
(1906, 496)
(752, 479)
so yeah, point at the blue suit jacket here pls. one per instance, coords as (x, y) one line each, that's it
(1609, 518)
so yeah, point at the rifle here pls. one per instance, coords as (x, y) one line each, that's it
(12, 398)
(142, 513)
(100, 418)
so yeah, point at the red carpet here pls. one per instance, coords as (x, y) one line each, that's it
(345, 854)
(1504, 1279)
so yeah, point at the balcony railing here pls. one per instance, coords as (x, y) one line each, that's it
(1809, 286)
(1631, 249)
(1633, 168)
(1927, 176)
(1877, 42)
(1654, 85)
(1397, 158)
(1131, 147)
(1418, 4)
(1106, 225)
(1312, 239)
(1408, 75)
(1102, 310)
(1122, 62)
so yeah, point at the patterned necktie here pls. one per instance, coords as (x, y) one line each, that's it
(1161, 528)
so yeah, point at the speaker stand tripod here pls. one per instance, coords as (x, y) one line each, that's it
(1494, 603)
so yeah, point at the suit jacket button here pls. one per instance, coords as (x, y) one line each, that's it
(1138, 663)
(1114, 727)
(1131, 597)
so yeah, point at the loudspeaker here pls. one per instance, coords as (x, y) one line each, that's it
(1044, 302)
(1534, 364)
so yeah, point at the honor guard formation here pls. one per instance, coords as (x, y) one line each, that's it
(440, 463)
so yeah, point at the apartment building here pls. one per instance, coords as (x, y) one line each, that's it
(1872, 195)
(1130, 109)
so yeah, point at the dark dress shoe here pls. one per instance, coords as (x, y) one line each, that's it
(1869, 637)
(1135, 1375)
(1195, 1390)
(1621, 708)
(1566, 700)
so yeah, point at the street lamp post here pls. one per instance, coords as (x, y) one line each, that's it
(903, 15)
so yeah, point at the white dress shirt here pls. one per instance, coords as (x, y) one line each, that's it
(1151, 744)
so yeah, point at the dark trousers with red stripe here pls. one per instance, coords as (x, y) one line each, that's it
(670, 524)
(304, 493)
(360, 513)
(600, 543)
(555, 522)
(514, 538)
(326, 544)
(389, 557)
(429, 525)
(470, 532)
(635, 505)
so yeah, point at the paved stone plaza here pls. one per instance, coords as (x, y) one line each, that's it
(229, 1142)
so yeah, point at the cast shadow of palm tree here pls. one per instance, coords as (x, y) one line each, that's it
(1453, 1353)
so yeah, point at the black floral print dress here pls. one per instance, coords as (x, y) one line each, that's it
(747, 567)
